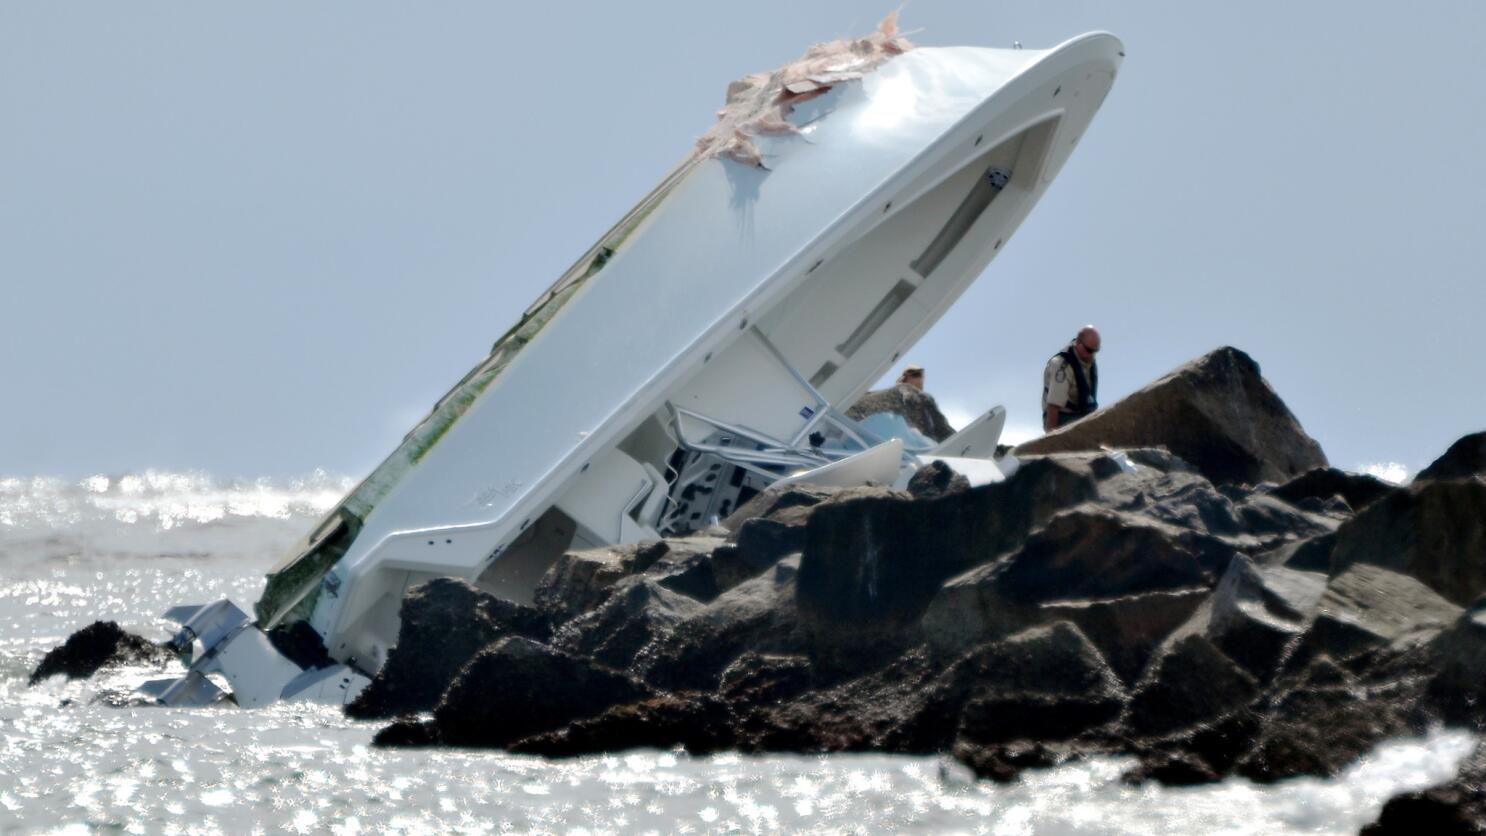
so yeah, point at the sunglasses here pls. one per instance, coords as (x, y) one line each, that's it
(1086, 347)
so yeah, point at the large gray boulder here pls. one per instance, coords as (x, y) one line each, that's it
(1216, 412)
(444, 623)
(1435, 531)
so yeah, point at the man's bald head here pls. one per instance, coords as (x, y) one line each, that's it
(1086, 344)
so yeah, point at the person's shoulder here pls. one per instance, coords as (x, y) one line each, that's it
(1057, 361)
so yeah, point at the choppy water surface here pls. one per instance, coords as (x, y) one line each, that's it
(128, 547)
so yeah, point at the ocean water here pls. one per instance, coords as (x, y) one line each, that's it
(127, 547)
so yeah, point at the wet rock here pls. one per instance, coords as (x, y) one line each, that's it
(758, 615)
(1257, 613)
(1085, 554)
(698, 722)
(1358, 489)
(1217, 413)
(1456, 807)
(1325, 722)
(581, 580)
(1458, 688)
(1128, 629)
(1434, 531)
(518, 688)
(1465, 458)
(758, 545)
(1366, 609)
(1173, 769)
(445, 622)
(99, 645)
(1190, 682)
(936, 479)
(1003, 763)
(1048, 683)
(761, 678)
(638, 611)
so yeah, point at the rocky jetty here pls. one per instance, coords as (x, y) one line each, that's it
(1212, 598)
(100, 645)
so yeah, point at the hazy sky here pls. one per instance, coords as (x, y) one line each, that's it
(263, 238)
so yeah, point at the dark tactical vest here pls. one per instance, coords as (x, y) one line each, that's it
(1087, 398)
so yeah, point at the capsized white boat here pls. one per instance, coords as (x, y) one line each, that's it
(695, 355)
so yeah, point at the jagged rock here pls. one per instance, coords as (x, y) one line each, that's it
(1368, 608)
(99, 645)
(874, 559)
(1174, 769)
(699, 722)
(936, 479)
(581, 580)
(1465, 458)
(759, 544)
(1435, 531)
(1047, 683)
(445, 622)
(1216, 412)
(757, 615)
(1188, 683)
(1093, 553)
(1458, 688)
(1310, 555)
(1127, 629)
(690, 573)
(789, 504)
(1456, 807)
(915, 405)
(1273, 521)
(518, 688)
(760, 678)
(1086, 553)
(638, 611)
(1358, 489)
(1257, 613)
(1326, 721)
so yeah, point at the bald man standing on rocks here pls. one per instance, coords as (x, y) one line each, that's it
(1070, 383)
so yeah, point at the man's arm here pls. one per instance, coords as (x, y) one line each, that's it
(1049, 417)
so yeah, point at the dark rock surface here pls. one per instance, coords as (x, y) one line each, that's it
(99, 645)
(518, 688)
(1216, 412)
(1208, 601)
(445, 622)
(1358, 489)
(1466, 458)
(1434, 531)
